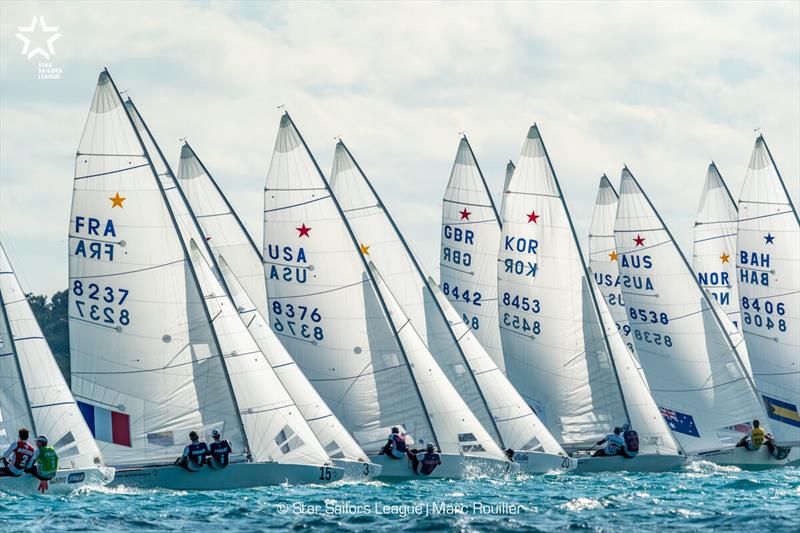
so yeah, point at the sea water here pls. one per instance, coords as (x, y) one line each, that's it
(702, 496)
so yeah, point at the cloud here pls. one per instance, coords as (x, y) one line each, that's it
(662, 87)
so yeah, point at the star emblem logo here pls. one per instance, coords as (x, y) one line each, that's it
(303, 229)
(724, 257)
(769, 238)
(26, 32)
(613, 255)
(465, 214)
(364, 249)
(533, 217)
(639, 240)
(116, 200)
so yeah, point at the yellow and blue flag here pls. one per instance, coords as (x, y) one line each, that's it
(782, 411)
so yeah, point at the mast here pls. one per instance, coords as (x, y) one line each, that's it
(369, 273)
(780, 178)
(427, 287)
(12, 341)
(588, 277)
(186, 255)
(706, 299)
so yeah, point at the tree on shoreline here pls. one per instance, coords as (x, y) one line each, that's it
(53, 319)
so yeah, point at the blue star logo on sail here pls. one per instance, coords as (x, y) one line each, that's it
(769, 238)
(680, 422)
(782, 411)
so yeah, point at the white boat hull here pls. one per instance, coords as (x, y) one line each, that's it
(452, 467)
(234, 476)
(358, 470)
(64, 482)
(747, 459)
(640, 463)
(542, 463)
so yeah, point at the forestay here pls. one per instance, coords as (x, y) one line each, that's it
(225, 234)
(145, 363)
(692, 365)
(324, 307)
(603, 257)
(381, 242)
(469, 241)
(768, 265)
(33, 392)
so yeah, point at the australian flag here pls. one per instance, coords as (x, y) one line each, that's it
(680, 422)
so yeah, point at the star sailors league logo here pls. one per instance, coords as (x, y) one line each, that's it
(38, 40)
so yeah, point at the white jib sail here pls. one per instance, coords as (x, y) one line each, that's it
(324, 307)
(225, 233)
(768, 265)
(33, 392)
(469, 241)
(145, 366)
(457, 428)
(568, 358)
(603, 258)
(509, 173)
(381, 242)
(692, 365)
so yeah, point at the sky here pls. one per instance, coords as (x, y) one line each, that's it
(662, 87)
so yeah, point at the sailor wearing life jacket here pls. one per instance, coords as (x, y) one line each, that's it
(427, 461)
(219, 450)
(395, 446)
(194, 455)
(19, 456)
(614, 443)
(631, 447)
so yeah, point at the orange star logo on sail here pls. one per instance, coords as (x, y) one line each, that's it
(724, 257)
(303, 229)
(613, 255)
(364, 249)
(116, 200)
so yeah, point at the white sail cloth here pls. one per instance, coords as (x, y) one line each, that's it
(686, 349)
(468, 259)
(33, 392)
(768, 273)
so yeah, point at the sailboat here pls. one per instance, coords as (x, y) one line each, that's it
(469, 241)
(768, 273)
(562, 348)
(33, 394)
(241, 266)
(158, 349)
(603, 258)
(326, 305)
(714, 257)
(449, 338)
(688, 350)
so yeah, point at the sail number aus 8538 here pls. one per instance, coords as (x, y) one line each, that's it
(297, 320)
(644, 316)
(474, 297)
(98, 312)
(652, 338)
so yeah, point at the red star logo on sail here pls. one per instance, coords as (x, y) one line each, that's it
(533, 217)
(465, 214)
(639, 240)
(303, 229)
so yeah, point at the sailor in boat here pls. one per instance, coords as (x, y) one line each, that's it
(630, 437)
(219, 450)
(756, 438)
(425, 462)
(395, 446)
(19, 456)
(614, 443)
(45, 467)
(194, 455)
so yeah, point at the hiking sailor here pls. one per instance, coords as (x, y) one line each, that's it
(426, 462)
(757, 436)
(630, 448)
(19, 456)
(395, 446)
(614, 444)
(219, 450)
(45, 466)
(194, 455)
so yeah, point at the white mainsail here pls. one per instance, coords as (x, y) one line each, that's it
(142, 349)
(714, 259)
(603, 257)
(33, 392)
(562, 348)
(324, 307)
(227, 235)
(509, 173)
(381, 242)
(469, 241)
(451, 342)
(768, 264)
(691, 361)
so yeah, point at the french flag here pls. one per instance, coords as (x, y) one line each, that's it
(107, 425)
